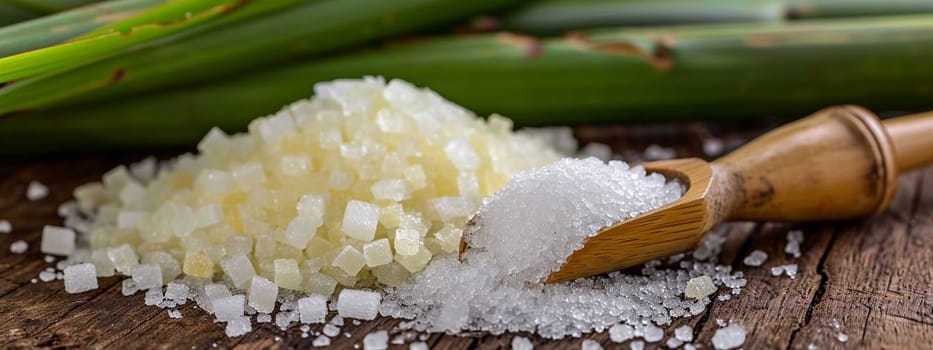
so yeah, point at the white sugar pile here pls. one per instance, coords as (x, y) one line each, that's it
(525, 231)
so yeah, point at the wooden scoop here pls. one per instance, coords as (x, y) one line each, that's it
(839, 163)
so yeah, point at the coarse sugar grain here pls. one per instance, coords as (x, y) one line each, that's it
(6, 226)
(312, 309)
(36, 191)
(589, 344)
(57, 240)
(755, 258)
(320, 341)
(19, 247)
(238, 326)
(729, 337)
(522, 343)
(378, 340)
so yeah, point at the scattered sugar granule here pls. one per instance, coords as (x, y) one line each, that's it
(842, 337)
(320, 341)
(331, 330)
(19, 247)
(589, 344)
(652, 333)
(724, 297)
(621, 332)
(522, 343)
(238, 326)
(755, 258)
(690, 347)
(154, 297)
(36, 191)
(656, 152)
(128, 287)
(599, 150)
(174, 314)
(80, 278)
(6, 226)
(176, 291)
(378, 340)
(791, 270)
(811, 346)
(794, 238)
(46, 276)
(713, 146)
(729, 337)
(699, 287)
(684, 333)
(637, 345)
(263, 317)
(424, 346)
(49, 259)
(777, 270)
(673, 343)
(397, 340)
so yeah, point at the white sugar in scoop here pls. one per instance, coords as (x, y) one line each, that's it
(541, 216)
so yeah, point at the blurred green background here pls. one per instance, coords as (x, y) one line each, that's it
(81, 74)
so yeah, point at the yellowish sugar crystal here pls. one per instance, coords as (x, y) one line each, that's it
(360, 185)
(198, 265)
(286, 274)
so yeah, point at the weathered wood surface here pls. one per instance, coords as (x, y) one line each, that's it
(874, 276)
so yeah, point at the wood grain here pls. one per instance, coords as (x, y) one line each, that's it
(874, 276)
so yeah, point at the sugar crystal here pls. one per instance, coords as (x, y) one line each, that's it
(637, 345)
(360, 220)
(378, 340)
(238, 326)
(755, 258)
(154, 297)
(36, 191)
(331, 330)
(229, 308)
(673, 343)
(80, 278)
(147, 276)
(262, 294)
(621, 332)
(684, 333)
(377, 253)
(320, 341)
(729, 337)
(174, 314)
(522, 343)
(652, 333)
(128, 287)
(589, 344)
(19, 247)
(5, 226)
(424, 346)
(177, 292)
(794, 238)
(700, 287)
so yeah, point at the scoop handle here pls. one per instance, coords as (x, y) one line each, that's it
(838, 163)
(913, 140)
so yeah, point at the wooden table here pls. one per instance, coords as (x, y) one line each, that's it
(874, 276)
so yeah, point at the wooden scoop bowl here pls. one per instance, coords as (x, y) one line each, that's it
(839, 163)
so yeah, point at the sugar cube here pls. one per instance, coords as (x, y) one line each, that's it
(312, 309)
(57, 240)
(238, 326)
(286, 274)
(262, 294)
(318, 283)
(239, 269)
(80, 278)
(229, 308)
(407, 241)
(360, 220)
(377, 252)
(359, 304)
(198, 265)
(349, 260)
(123, 258)
(147, 276)
(176, 291)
